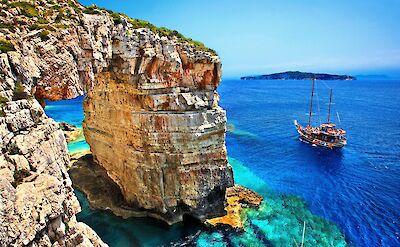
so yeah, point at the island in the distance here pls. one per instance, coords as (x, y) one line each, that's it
(297, 75)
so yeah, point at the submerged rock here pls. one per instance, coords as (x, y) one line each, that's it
(236, 199)
(71, 132)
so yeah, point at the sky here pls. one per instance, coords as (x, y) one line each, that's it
(262, 36)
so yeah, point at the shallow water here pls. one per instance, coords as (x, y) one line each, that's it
(69, 111)
(356, 188)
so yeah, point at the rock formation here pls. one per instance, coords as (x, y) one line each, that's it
(157, 110)
(151, 117)
(37, 203)
(71, 132)
(237, 197)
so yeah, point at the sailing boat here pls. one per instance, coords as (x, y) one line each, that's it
(326, 135)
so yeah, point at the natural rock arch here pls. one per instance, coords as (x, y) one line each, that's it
(151, 112)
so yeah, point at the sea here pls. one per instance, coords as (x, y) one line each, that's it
(349, 196)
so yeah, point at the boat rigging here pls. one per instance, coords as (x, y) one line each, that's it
(327, 134)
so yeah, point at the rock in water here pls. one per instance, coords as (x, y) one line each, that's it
(153, 122)
(71, 132)
(236, 198)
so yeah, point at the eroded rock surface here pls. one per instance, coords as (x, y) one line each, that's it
(236, 199)
(101, 191)
(158, 111)
(37, 202)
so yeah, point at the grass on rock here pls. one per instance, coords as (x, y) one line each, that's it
(3, 101)
(26, 8)
(6, 46)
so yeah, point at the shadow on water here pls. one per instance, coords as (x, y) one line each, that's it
(140, 231)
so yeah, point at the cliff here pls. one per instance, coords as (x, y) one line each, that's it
(297, 75)
(151, 118)
(37, 201)
(157, 109)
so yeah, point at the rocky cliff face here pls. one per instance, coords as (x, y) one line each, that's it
(157, 110)
(151, 116)
(37, 203)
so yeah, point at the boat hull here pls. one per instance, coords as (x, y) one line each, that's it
(307, 138)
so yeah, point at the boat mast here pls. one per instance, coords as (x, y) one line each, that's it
(329, 107)
(312, 95)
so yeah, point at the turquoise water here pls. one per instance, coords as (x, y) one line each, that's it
(353, 192)
(277, 222)
(69, 111)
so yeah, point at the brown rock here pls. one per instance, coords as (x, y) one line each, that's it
(166, 130)
(236, 198)
(71, 132)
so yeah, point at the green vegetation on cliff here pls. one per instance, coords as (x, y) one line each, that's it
(3, 101)
(19, 92)
(91, 10)
(26, 8)
(51, 19)
(44, 35)
(6, 46)
(137, 23)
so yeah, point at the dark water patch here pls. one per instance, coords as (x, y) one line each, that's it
(120, 232)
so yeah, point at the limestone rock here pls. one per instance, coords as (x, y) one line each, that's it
(159, 114)
(71, 132)
(36, 192)
(37, 200)
(236, 198)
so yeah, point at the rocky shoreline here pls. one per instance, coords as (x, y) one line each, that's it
(71, 132)
(237, 198)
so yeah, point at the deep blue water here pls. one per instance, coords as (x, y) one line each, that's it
(357, 188)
